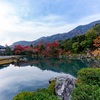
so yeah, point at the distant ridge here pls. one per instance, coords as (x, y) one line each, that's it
(23, 43)
(2, 47)
(76, 31)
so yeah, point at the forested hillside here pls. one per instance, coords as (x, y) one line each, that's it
(79, 30)
(81, 44)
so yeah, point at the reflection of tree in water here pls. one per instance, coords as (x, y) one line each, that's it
(58, 65)
(93, 63)
(4, 66)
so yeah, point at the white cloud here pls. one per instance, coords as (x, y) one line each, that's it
(52, 18)
(12, 28)
(89, 19)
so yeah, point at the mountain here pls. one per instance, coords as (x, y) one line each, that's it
(77, 31)
(23, 43)
(2, 47)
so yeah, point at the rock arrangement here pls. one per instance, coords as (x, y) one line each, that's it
(64, 86)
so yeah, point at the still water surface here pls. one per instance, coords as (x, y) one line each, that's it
(34, 74)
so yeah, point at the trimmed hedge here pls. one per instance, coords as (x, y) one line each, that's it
(24, 96)
(87, 88)
(86, 92)
(87, 85)
(89, 76)
(44, 95)
(41, 94)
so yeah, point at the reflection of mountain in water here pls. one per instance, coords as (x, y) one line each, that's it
(58, 65)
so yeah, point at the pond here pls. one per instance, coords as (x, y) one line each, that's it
(34, 74)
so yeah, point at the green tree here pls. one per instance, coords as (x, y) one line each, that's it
(8, 50)
(61, 45)
(42, 47)
(97, 28)
(31, 46)
(90, 35)
(83, 45)
(78, 38)
(68, 45)
(75, 47)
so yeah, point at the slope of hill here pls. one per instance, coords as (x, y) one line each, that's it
(77, 31)
(2, 47)
(22, 43)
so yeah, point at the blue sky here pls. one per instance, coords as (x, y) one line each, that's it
(32, 19)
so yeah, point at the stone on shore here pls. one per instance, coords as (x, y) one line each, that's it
(64, 86)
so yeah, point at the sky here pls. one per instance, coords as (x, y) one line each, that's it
(31, 19)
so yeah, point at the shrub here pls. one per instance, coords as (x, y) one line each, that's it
(51, 87)
(44, 96)
(24, 96)
(96, 94)
(89, 76)
(41, 94)
(87, 85)
(86, 92)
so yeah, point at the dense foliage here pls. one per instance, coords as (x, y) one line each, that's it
(41, 94)
(24, 96)
(78, 44)
(87, 88)
(7, 51)
(87, 85)
(83, 42)
(90, 76)
(86, 92)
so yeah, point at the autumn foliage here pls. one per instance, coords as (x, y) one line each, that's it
(97, 46)
(78, 44)
(18, 49)
(97, 42)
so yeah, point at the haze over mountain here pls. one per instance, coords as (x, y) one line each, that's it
(61, 36)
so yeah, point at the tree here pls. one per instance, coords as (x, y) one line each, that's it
(68, 45)
(75, 47)
(31, 46)
(8, 50)
(83, 45)
(18, 49)
(78, 38)
(97, 42)
(97, 28)
(90, 35)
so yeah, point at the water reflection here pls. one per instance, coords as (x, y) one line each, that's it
(4, 66)
(35, 74)
(14, 80)
(61, 65)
